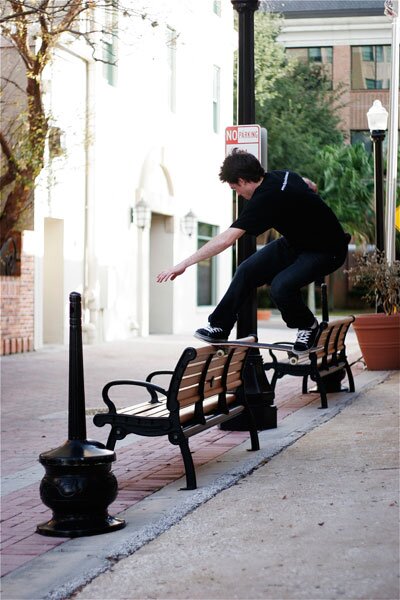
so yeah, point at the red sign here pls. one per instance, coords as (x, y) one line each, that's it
(243, 137)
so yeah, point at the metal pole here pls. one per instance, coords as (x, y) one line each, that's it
(247, 318)
(392, 11)
(258, 390)
(76, 387)
(377, 138)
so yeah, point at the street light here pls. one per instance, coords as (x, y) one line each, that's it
(377, 122)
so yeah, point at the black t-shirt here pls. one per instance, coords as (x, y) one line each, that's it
(284, 202)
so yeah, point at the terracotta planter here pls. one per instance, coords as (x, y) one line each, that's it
(379, 339)
(263, 314)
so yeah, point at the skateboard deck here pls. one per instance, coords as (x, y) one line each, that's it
(293, 355)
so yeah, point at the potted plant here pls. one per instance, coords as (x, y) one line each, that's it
(378, 334)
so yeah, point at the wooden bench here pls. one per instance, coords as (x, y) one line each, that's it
(318, 365)
(204, 390)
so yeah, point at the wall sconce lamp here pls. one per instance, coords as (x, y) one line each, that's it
(141, 214)
(189, 223)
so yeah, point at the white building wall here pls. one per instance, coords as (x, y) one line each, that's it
(131, 147)
(169, 160)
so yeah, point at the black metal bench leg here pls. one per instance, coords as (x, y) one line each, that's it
(255, 442)
(274, 379)
(322, 390)
(350, 377)
(189, 465)
(305, 388)
(112, 439)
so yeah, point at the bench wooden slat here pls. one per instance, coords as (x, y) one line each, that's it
(205, 389)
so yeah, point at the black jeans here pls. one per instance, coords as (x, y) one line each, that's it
(286, 271)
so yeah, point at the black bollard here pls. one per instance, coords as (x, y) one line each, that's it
(78, 484)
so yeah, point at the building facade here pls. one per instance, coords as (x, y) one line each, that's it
(351, 39)
(131, 179)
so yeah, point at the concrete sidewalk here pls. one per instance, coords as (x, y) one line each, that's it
(319, 520)
(34, 419)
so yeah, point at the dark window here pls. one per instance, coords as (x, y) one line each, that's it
(171, 68)
(361, 137)
(370, 67)
(216, 97)
(109, 41)
(206, 269)
(364, 137)
(217, 7)
(315, 55)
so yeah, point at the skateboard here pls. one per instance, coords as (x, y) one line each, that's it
(293, 355)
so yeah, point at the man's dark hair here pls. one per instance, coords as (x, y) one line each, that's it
(241, 165)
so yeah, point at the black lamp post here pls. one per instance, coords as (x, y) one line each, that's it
(258, 390)
(377, 122)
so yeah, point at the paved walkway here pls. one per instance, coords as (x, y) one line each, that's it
(318, 521)
(34, 419)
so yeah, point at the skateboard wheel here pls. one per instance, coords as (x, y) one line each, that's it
(221, 352)
(293, 360)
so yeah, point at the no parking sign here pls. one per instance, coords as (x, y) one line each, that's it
(250, 138)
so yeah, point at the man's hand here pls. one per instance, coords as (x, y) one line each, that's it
(311, 184)
(170, 274)
(214, 246)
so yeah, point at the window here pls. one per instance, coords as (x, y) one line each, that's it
(370, 67)
(316, 55)
(216, 98)
(109, 42)
(217, 7)
(206, 269)
(364, 137)
(361, 137)
(171, 68)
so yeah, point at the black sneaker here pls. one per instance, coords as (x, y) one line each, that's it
(306, 338)
(212, 334)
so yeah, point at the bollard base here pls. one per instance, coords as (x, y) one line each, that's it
(74, 527)
(78, 486)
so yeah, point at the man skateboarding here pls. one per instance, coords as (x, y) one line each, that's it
(312, 245)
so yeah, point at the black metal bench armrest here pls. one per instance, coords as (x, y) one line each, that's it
(271, 352)
(155, 373)
(151, 388)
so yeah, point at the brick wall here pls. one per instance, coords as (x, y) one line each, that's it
(341, 75)
(355, 102)
(17, 310)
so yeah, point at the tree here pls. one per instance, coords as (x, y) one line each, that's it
(344, 175)
(32, 29)
(294, 102)
(299, 108)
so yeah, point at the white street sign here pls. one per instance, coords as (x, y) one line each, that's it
(243, 137)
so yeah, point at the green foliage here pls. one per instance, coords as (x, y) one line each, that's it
(270, 63)
(300, 119)
(344, 175)
(294, 102)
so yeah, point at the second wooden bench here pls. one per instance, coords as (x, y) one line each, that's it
(318, 365)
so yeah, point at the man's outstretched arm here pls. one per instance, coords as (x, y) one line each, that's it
(215, 246)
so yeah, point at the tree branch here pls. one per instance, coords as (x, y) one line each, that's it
(11, 173)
